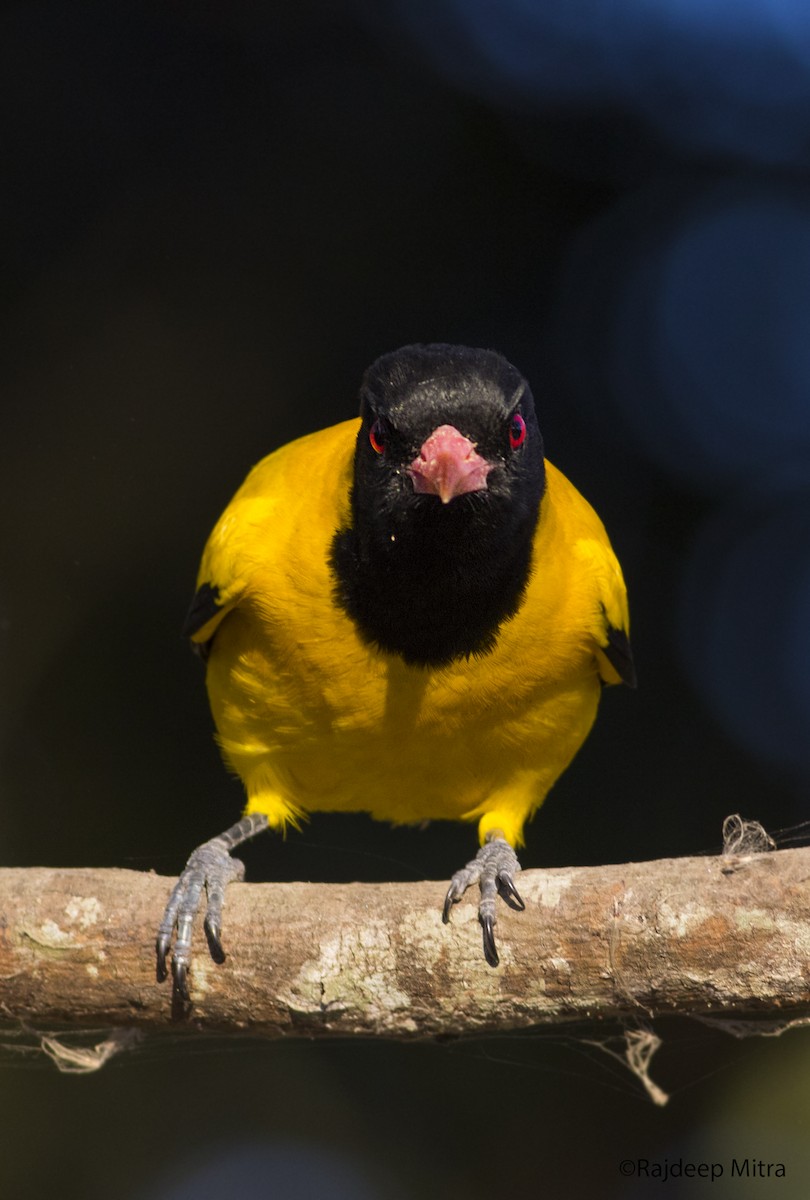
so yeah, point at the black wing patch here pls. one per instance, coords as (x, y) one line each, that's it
(620, 656)
(204, 607)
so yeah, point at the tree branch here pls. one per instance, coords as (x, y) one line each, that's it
(692, 936)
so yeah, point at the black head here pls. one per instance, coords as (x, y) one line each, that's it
(448, 477)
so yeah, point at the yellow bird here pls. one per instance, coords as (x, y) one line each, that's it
(410, 614)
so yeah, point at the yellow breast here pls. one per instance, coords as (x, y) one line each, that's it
(313, 719)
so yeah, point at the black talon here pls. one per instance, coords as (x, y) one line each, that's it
(492, 869)
(450, 899)
(180, 982)
(162, 971)
(209, 870)
(508, 892)
(490, 949)
(213, 935)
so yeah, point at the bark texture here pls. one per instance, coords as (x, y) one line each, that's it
(694, 936)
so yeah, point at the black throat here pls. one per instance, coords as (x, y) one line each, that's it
(432, 581)
(436, 582)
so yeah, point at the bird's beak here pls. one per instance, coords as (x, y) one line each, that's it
(448, 465)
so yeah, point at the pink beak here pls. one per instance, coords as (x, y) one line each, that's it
(448, 465)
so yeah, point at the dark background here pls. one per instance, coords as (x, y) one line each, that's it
(214, 217)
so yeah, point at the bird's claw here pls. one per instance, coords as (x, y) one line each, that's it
(180, 992)
(490, 949)
(454, 894)
(493, 869)
(210, 869)
(213, 935)
(508, 892)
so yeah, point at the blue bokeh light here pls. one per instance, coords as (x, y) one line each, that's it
(710, 77)
(744, 628)
(259, 1170)
(687, 307)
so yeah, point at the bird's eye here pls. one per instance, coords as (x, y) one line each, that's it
(376, 435)
(517, 431)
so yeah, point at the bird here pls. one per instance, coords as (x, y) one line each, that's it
(411, 614)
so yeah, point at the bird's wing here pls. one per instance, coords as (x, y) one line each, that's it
(570, 531)
(289, 504)
(226, 566)
(611, 631)
(617, 654)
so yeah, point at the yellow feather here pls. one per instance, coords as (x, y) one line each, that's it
(315, 720)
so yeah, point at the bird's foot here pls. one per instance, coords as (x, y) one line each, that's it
(493, 869)
(211, 868)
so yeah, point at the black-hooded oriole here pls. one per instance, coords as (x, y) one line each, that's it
(410, 614)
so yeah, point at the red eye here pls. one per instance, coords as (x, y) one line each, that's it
(376, 435)
(517, 431)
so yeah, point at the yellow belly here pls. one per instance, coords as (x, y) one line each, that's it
(313, 719)
(316, 726)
